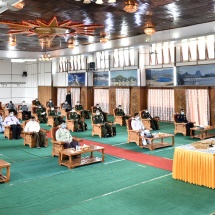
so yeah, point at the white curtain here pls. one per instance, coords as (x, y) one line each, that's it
(75, 95)
(101, 97)
(161, 103)
(123, 98)
(197, 106)
(61, 95)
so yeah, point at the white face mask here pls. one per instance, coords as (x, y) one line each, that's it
(97, 106)
(50, 100)
(11, 114)
(23, 103)
(52, 108)
(40, 107)
(97, 113)
(182, 112)
(137, 118)
(65, 102)
(63, 125)
(120, 107)
(73, 110)
(146, 111)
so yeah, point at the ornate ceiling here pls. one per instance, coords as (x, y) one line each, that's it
(166, 14)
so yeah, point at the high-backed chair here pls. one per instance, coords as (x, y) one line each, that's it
(57, 146)
(133, 135)
(118, 119)
(6, 111)
(2, 112)
(28, 137)
(19, 114)
(8, 132)
(51, 120)
(34, 112)
(96, 129)
(62, 111)
(146, 122)
(70, 123)
(179, 127)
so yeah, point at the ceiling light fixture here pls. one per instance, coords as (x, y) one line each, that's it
(104, 38)
(12, 40)
(99, 2)
(87, 1)
(19, 5)
(111, 1)
(131, 6)
(71, 44)
(149, 27)
(45, 57)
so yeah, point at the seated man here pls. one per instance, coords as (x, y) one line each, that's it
(153, 122)
(63, 135)
(136, 124)
(84, 113)
(50, 104)
(11, 107)
(66, 106)
(14, 124)
(40, 136)
(97, 107)
(120, 112)
(36, 102)
(78, 121)
(41, 113)
(107, 128)
(1, 125)
(180, 118)
(57, 119)
(24, 110)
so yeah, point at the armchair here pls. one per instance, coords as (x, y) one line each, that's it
(179, 127)
(118, 119)
(146, 122)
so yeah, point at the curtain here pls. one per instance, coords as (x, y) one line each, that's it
(61, 95)
(75, 95)
(197, 106)
(101, 97)
(161, 103)
(123, 98)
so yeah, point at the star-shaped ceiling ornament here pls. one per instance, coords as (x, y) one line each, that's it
(52, 29)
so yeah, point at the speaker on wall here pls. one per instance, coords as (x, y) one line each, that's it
(24, 74)
(92, 65)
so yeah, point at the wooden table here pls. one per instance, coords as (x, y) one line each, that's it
(3, 178)
(203, 132)
(72, 158)
(196, 166)
(154, 145)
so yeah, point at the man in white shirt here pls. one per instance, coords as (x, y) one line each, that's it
(63, 135)
(136, 124)
(40, 136)
(1, 125)
(14, 123)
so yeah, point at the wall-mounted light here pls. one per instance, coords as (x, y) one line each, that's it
(131, 6)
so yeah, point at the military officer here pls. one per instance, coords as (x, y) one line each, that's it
(84, 113)
(41, 113)
(24, 110)
(154, 121)
(57, 119)
(120, 112)
(107, 128)
(66, 106)
(50, 103)
(78, 121)
(98, 108)
(36, 102)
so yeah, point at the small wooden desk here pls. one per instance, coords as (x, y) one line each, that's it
(75, 159)
(203, 132)
(3, 178)
(151, 145)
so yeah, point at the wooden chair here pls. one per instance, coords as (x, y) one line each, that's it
(70, 123)
(34, 112)
(29, 139)
(96, 129)
(51, 120)
(2, 112)
(118, 119)
(146, 122)
(57, 146)
(6, 111)
(8, 132)
(133, 135)
(62, 111)
(179, 127)
(19, 114)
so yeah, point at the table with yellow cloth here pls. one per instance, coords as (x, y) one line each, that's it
(196, 166)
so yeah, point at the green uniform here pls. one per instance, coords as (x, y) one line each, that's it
(84, 113)
(36, 103)
(106, 128)
(57, 119)
(154, 121)
(78, 122)
(41, 117)
(120, 112)
(101, 112)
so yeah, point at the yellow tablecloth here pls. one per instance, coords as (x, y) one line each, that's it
(194, 166)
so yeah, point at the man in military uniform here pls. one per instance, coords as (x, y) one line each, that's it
(154, 121)
(84, 113)
(181, 118)
(24, 110)
(78, 121)
(50, 104)
(11, 107)
(66, 106)
(98, 108)
(41, 113)
(107, 128)
(36, 102)
(57, 119)
(120, 112)
(69, 98)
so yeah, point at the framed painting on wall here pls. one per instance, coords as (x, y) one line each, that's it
(100, 78)
(203, 75)
(124, 78)
(160, 77)
(76, 79)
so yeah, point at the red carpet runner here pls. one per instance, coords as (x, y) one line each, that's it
(151, 160)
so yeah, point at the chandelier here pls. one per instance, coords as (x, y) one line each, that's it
(104, 40)
(71, 44)
(45, 57)
(19, 5)
(12, 40)
(149, 28)
(131, 6)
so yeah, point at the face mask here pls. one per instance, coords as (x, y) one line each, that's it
(182, 112)
(11, 114)
(50, 100)
(39, 106)
(97, 106)
(63, 126)
(65, 102)
(97, 113)
(73, 110)
(52, 108)
(137, 118)
(146, 111)
(120, 107)
(23, 103)
(36, 100)
(32, 119)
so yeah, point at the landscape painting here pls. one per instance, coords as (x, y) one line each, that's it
(124, 78)
(76, 79)
(203, 75)
(101, 79)
(159, 77)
